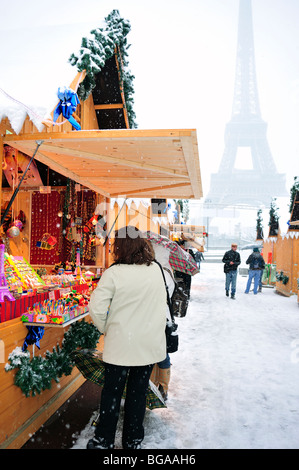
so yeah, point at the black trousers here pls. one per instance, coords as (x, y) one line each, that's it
(137, 379)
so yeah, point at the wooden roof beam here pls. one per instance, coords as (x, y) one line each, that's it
(114, 160)
(157, 188)
(70, 174)
(109, 106)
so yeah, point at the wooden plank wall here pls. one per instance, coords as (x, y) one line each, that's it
(270, 246)
(20, 417)
(19, 246)
(85, 111)
(287, 261)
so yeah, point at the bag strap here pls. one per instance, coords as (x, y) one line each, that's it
(167, 291)
(166, 286)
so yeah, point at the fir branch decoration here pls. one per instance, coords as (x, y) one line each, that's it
(36, 374)
(184, 207)
(281, 277)
(259, 226)
(293, 193)
(273, 219)
(95, 51)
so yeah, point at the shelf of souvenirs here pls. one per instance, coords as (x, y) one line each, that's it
(29, 290)
(22, 279)
(58, 313)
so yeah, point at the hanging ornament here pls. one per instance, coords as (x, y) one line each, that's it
(17, 223)
(95, 241)
(91, 223)
(47, 242)
(20, 221)
(60, 214)
(13, 232)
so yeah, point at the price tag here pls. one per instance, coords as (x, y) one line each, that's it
(51, 295)
(65, 290)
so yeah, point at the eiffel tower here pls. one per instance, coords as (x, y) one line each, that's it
(246, 130)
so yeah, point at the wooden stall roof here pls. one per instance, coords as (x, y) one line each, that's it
(125, 162)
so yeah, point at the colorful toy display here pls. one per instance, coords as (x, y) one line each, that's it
(59, 311)
(20, 275)
(4, 290)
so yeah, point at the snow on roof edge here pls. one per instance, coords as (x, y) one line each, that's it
(16, 112)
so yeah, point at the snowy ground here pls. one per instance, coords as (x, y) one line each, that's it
(235, 378)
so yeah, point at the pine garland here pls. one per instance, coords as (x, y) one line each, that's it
(184, 207)
(259, 225)
(36, 374)
(293, 193)
(273, 219)
(281, 277)
(95, 52)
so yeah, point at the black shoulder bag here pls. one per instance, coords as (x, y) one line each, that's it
(172, 337)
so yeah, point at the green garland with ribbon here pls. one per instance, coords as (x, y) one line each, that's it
(281, 277)
(37, 374)
(96, 50)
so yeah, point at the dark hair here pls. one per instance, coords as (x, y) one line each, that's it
(131, 247)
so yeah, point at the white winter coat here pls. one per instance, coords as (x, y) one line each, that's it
(134, 327)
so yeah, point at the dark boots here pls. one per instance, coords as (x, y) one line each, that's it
(227, 294)
(98, 443)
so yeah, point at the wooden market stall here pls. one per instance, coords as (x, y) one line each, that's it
(287, 260)
(287, 269)
(107, 160)
(194, 235)
(270, 250)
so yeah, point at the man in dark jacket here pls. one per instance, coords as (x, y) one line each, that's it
(232, 260)
(256, 266)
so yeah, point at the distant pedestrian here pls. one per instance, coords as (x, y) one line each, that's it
(198, 258)
(232, 260)
(256, 266)
(184, 279)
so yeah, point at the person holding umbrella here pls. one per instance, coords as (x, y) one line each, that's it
(129, 306)
(182, 263)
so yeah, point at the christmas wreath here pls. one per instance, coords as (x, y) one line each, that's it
(36, 374)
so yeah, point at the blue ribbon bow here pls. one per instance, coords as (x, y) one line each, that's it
(67, 106)
(35, 334)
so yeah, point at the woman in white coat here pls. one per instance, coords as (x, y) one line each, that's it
(128, 306)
